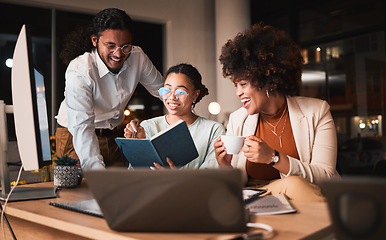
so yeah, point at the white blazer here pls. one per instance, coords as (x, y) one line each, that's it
(314, 133)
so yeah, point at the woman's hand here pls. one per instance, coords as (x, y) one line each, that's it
(170, 162)
(132, 128)
(256, 150)
(223, 159)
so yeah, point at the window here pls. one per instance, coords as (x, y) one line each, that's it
(344, 52)
(149, 36)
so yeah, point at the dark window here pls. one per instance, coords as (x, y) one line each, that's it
(12, 18)
(343, 44)
(147, 35)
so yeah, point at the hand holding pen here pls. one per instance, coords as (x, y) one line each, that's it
(133, 130)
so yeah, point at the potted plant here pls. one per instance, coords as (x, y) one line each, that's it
(66, 172)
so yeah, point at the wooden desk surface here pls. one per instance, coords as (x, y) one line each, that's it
(64, 224)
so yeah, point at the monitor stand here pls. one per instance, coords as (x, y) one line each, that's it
(29, 193)
(20, 193)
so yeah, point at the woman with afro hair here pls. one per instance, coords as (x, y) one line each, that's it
(290, 141)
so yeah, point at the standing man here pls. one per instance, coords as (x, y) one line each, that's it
(103, 72)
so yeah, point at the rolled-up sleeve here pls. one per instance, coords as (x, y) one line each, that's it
(150, 78)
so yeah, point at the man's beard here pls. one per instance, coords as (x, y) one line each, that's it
(112, 70)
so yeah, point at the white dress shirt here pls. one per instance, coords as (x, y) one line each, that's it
(96, 98)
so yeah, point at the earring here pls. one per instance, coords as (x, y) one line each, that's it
(267, 92)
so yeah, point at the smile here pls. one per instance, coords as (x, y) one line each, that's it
(173, 105)
(115, 59)
(245, 101)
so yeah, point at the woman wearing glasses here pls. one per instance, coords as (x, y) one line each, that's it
(182, 90)
(103, 72)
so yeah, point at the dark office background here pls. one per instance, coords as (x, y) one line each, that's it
(149, 36)
(343, 46)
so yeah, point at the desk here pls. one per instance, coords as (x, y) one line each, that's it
(37, 219)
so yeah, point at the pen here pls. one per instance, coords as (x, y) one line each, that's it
(134, 126)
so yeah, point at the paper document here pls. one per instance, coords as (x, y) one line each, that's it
(270, 204)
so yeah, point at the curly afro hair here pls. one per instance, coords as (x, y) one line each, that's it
(266, 56)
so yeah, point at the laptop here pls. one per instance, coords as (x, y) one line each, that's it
(357, 207)
(185, 200)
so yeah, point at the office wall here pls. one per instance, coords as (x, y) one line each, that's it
(189, 27)
(232, 17)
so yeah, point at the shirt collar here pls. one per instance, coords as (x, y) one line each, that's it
(102, 68)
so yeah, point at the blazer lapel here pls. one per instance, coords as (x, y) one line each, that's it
(250, 125)
(300, 129)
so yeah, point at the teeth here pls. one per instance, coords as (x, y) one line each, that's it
(173, 105)
(244, 100)
(115, 59)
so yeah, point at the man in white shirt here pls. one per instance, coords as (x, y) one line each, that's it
(100, 80)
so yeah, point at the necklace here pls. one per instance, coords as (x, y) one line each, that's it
(275, 126)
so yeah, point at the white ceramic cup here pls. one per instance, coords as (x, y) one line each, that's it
(233, 144)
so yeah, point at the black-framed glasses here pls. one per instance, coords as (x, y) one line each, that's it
(125, 49)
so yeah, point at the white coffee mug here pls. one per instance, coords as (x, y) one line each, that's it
(233, 144)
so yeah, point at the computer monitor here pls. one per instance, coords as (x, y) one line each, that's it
(31, 121)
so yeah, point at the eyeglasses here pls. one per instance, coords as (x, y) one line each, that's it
(125, 49)
(178, 93)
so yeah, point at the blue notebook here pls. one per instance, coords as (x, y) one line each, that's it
(175, 142)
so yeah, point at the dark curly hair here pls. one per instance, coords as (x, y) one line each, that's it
(195, 77)
(79, 41)
(266, 56)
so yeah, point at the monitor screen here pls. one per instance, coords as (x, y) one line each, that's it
(42, 116)
(29, 106)
(31, 122)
